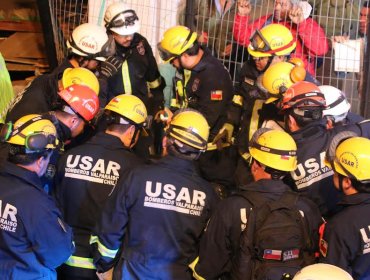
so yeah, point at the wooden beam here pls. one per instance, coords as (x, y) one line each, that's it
(30, 26)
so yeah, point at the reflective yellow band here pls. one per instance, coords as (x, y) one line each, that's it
(180, 88)
(238, 100)
(80, 262)
(154, 84)
(253, 126)
(174, 103)
(126, 78)
(104, 251)
(192, 266)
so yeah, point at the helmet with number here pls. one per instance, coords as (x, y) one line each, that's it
(121, 19)
(176, 40)
(91, 41)
(278, 78)
(303, 95)
(322, 271)
(352, 158)
(336, 102)
(274, 148)
(191, 128)
(81, 100)
(129, 107)
(80, 76)
(272, 39)
(35, 132)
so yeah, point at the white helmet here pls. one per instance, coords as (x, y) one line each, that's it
(336, 102)
(91, 41)
(121, 19)
(322, 271)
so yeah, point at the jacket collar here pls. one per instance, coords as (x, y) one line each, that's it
(24, 174)
(355, 199)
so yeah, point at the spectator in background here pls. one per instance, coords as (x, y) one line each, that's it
(311, 40)
(364, 18)
(213, 22)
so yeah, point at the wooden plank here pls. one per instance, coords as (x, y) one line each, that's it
(30, 26)
(23, 45)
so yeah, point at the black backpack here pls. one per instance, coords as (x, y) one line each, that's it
(275, 241)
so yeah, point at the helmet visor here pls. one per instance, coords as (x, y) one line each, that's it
(259, 43)
(128, 19)
(164, 54)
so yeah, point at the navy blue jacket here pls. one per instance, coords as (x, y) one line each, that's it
(156, 215)
(33, 238)
(86, 175)
(347, 237)
(221, 241)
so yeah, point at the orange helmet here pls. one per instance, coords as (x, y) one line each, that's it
(82, 101)
(303, 95)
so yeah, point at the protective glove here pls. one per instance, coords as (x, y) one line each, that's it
(224, 135)
(110, 66)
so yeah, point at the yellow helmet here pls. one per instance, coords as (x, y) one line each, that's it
(352, 158)
(35, 132)
(176, 40)
(278, 78)
(272, 39)
(130, 107)
(80, 76)
(274, 148)
(190, 127)
(322, 271)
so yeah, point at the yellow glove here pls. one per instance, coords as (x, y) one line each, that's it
(224, 135)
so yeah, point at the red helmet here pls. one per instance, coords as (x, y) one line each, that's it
(302, 95)
(82, 100)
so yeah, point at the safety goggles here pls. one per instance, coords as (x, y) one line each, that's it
(168, 56)
(129, 18)
(164, 54)
(260, 44)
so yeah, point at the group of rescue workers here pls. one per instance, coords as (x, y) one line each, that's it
(265, 180)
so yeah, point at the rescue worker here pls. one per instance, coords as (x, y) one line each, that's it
(41, 95)
(203, 84)
(272, 158)
(82, 190)
(271, 45)
(337, 110)
(133, 68)
(87, 46)
(321, 271)
(302, 106)
(75, 108)
(312, 43)
(346, 236)
(157, 214)
(34, 240)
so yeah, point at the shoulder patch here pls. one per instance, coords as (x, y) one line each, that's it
(140, 48)
(195, 85)
(216, 95)
(249, 81)
(323, 247)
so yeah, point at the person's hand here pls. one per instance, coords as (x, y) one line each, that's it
(296, 14)
(108, 275)
(164, 115)
(244, 7)
(227, 50)
(110, 66)
(203, 38)
(339, 39)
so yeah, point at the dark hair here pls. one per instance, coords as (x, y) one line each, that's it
(366, 4)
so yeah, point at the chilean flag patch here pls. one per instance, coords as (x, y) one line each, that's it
(216, 95)
(269, 254)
